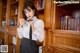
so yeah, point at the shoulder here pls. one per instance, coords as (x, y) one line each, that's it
(39, 21)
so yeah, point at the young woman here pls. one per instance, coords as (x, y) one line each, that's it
(30, 29)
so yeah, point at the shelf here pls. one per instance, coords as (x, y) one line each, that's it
(67, 32)
(14, 15)
(62, 4)
(2, 29)
(39, 9)
(12, 30)
(15, 2)
(69, 6)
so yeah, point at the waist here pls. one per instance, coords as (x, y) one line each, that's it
(27, 39)
(33, 38)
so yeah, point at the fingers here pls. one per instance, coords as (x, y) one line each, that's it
(21, 21)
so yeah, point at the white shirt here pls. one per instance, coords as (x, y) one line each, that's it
(37, 34)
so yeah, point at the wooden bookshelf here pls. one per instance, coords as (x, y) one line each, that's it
(56, 40)
(64, 40)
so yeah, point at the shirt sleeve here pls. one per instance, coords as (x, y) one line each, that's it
(39, 30)
(19, 31)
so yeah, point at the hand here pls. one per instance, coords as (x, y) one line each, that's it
(21, 22)
(32, 25)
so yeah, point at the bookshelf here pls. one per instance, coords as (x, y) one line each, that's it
(13, 12)
(65, 28)
(68, 10)
(3, 13)
(2, 19)
(57, 39)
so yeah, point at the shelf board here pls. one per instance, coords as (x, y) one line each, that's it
(12, 30)
(39, 9)
(2, 29)
(67, 32)
(14, 15)
(69, 6)
(62, 4)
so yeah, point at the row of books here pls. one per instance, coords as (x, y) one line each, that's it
(69, 23)
(39, 4)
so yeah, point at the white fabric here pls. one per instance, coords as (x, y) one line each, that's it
(37, 34)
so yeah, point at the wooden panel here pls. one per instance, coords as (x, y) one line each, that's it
(0, 13)
(1, 35)
(12, 30)
(8, 12)
(47, 12)
(67, 32)
(9, 43)
(47, 49)
(59, 50)
(66, 42)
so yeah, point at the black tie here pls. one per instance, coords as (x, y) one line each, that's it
(30, 33)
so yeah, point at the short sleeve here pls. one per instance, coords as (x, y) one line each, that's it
(19, 31)
(39, 30)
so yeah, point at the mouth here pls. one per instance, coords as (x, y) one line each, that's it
(29, 17)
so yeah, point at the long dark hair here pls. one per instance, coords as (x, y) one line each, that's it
(28, 4)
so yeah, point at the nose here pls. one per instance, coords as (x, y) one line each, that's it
(28, 14)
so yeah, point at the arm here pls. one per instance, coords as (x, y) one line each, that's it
(39, 30)
(19, 31)
(21, 23)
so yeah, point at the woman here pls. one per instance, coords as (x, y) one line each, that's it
(30, 21)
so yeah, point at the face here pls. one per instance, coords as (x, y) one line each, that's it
(29, 13)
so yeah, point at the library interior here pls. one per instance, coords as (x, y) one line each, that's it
(61, 25)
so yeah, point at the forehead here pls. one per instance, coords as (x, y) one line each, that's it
(27, 9)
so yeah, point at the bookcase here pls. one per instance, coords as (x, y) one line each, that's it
(62, 35)
(65, 28)
(2, 20)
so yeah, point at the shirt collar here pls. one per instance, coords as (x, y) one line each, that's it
(34, 19)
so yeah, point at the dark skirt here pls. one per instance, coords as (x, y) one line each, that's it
(28, 46)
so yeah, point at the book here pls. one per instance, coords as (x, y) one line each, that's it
(12, 22)
(3, 23)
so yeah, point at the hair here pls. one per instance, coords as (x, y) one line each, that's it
(26, 6)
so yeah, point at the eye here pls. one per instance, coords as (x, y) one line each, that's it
(25, 12)
(29, 10)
